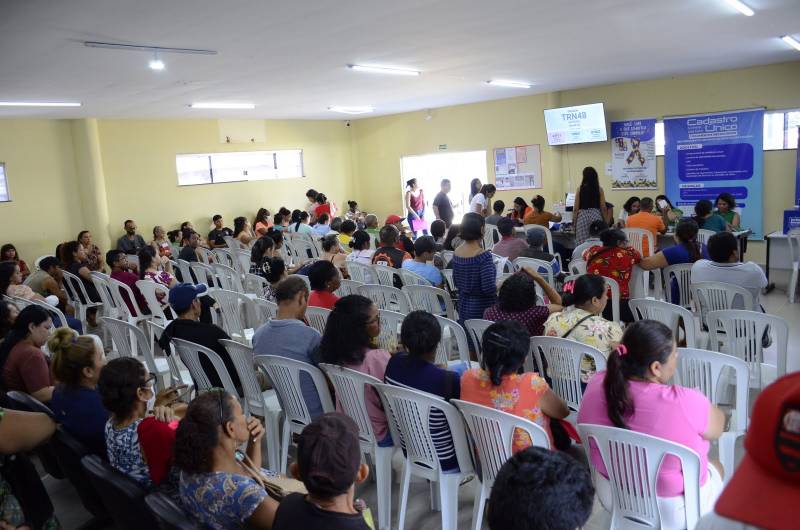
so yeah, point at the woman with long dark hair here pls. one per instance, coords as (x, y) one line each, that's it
(706, 219)
(614, 259)
(474, 188)
(74, 259)
(590, 204)
(635, 393)
(350, 332)
(415, 207)
(669, 214)
(500, 383)
(482, 201)
(262, 222)
(243, 231)
(23, 365)
(630, 207)
(519, 209)
(686, 250)
(8, 252)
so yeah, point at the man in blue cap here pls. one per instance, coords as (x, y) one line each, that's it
(184, 299)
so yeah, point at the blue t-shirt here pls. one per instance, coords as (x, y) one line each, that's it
(221, 501)
(429, 272)
(81, 412)
(675, 255)
(412, 372)
(294, 340)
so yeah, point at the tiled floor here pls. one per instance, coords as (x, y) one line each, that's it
(419, 515)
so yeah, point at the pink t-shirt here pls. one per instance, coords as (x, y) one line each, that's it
(374, 364)
(670, 412)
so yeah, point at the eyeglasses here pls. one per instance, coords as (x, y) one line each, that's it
(149, 382)
(220, 392)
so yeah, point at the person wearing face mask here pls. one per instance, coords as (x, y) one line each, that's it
(76, 403)
(139, 445)
(23, 365)
(635, 393)
(220, 486)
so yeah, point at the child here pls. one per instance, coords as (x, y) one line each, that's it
(424, 248)
(324, 279)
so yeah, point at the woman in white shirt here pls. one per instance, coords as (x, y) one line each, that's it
(360, 243)
(481, 202)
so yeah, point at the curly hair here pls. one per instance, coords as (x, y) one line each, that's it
(517, 293)
(199, 431)
(505, 346)
(119, 381)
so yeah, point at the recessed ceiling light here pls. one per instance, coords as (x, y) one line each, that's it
(351, 110)
(741, 7)
(39, 104)
(382, 69)
(220, 105)
(791, 41)
(509, 84)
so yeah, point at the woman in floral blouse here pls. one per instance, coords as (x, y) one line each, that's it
(94, 258)
(499, 385)
(582, 320)
(614, 259)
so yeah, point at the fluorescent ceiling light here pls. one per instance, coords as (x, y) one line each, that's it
(222, 105)
(791, 41)
(382, 70)
(156, 64)
(509, 84)
(39, 104)
(741, 7)
(351, 110)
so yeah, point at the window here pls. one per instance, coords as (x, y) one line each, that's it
(216, 168)
(4, 197)
(780, 131)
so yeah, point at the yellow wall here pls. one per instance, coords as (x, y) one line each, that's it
(380, 142)
(45, 204)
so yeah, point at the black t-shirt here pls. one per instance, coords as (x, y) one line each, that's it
(390, 256)
(216, 236)
(442, 201)
(188, 253)
(91, 290)
(207, 335)
(295, 512)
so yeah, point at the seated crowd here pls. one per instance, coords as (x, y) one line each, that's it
(206, 454)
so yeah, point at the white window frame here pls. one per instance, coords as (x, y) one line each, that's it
(195, 169)
(5, 194)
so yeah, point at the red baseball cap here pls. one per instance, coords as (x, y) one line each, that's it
(765, 489)
(394, 218)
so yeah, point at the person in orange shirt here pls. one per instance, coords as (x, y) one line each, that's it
(646, 220)
(538, 216)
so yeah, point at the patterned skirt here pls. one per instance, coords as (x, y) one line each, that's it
(585, 219)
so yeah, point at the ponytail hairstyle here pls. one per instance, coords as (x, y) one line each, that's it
(71, 354)
(276, 235)
(583, 289)
(538, 203)
(30, 315)
(352, 204)
(330, 242)
(702, 208)
(301, 218)
(360, 240)
(295, 217)
(687, 234)
(260, 247)
(410, 183)
(321, 198)
(199, 431)
(505, 345)
(146, 258)
(643, 343)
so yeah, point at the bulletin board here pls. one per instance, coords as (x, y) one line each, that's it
(518, 168)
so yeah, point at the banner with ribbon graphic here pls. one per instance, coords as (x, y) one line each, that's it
(633, 154)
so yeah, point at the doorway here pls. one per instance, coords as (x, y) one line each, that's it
(429, 170)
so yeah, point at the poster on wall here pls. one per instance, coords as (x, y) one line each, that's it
(518, 168)
(633, 154)
(708, 154)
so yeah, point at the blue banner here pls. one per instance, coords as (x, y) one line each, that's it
(708, 154)
(797, 173)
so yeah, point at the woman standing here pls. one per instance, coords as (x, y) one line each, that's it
(160, 243)
(352, 327)
(243, 231)
(482, 201)
(725, 209)
(323, 206)
(415, 206)
(474, 188)
(8, 252)
(94, 258)
(590, 204)
(474, 273)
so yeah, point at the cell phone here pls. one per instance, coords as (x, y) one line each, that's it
(662, 203)
(187, 390)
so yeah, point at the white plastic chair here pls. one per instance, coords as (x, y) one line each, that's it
(232, 242)
(317, 318)
(633, 460)
(502, 265)
(122, 334)
(409, 414)
(386, 275)
(347, 287)
(743, 332)
(263, 404)
(793, 239)
(76, 292)
(563, 360)
(577, 267)
(431, 299)
(489, 236)
(491, 438)
(304, 249)
(703, 235)
(178, 373)
(360, 272)
(412, 278)
(255, 284)
(38, 260)
(682, 272)
(206, 256)
(185, 270)
(224, 257)
(202, 273)
(52, 310)
(386, 297)
(391, 321)
(150, 291)
(110, 305)
(475, 328)
(227, 278)
(351, 387)
(190, 352)
(284, 374)
(453, 335)
(703, 370)
(235, 307)
(719, 296)
(669, 314)
(614, 299)
(637, 237)
(537, 265)
(266, 309)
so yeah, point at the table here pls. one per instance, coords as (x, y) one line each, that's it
(777, 254)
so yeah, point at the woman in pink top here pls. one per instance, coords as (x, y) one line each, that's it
(349, 334)
(634, 393)
(500, 385)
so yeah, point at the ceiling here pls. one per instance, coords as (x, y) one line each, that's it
(289, 57)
